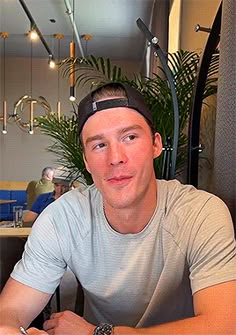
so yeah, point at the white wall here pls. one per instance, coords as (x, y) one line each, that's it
(23, 156)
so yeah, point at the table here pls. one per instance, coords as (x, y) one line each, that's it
(15, 232)
(3, 201)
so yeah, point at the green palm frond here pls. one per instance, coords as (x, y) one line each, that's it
(65, 145)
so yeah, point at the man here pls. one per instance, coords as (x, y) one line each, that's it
(44, 185)
(61, 181)
(153, 257)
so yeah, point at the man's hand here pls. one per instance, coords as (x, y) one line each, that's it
(7, 330)
(67, 322)
(35, 331)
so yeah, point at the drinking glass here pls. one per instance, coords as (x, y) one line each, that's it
(17, 216)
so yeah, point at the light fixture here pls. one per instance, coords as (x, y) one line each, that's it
(26, 101)
(72, 94)
(35, 28)
(72, 66)
(33, 33)
(59, 37)
(86, 38)
(4, 35)
(72, 72)
(51, 62)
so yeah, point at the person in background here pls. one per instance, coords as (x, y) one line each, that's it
(44, 185)
(61, 184)
(153, 256)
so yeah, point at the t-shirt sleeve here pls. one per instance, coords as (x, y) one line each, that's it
(37, 204)
(42, 265)
(212, 248)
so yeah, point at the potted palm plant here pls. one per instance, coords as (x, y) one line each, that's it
(156, 90)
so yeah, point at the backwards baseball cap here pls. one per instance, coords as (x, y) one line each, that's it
(62, 176)
(134, 99)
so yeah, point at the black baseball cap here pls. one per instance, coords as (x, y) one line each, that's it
(135, 100)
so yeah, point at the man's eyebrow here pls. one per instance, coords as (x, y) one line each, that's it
(94, 138)
(133, 127)
(121, 131)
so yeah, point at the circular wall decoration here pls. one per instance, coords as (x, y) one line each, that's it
(24, 112)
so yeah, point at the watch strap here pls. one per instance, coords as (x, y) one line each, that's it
(103, 329)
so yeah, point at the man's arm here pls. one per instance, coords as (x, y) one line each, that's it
(215, 313)
(20, 304)
(30, 217)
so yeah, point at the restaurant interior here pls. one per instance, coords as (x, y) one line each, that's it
(76, 28)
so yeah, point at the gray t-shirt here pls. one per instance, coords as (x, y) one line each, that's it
(133, 279)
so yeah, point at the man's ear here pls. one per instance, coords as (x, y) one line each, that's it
(157, 145)
(86, 163)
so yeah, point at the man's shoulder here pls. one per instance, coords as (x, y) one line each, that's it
(85, 199)
(185, 205)
(85, 194)
(31, 185)
(177, 191)
(43, 186)
(44, 196)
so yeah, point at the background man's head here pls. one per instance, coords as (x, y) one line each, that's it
(48, 173)
(61, 180)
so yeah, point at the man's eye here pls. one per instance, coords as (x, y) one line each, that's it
(130, 137)
(99, 146)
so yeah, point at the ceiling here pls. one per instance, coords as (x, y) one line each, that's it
(112, 24)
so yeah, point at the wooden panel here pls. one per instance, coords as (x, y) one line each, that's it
(14, 232)
(13, 185)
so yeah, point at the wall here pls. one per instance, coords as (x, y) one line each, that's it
(184, 16)
(195, 12)
(23, 156)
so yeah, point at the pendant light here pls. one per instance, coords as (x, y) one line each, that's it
(4, 35)
(86, 38)
(72, 56)
(59, 37)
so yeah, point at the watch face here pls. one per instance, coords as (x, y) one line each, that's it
(104, 329)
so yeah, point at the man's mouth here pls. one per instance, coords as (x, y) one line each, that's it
(119, 180)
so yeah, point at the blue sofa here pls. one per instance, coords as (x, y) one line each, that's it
(6, 210)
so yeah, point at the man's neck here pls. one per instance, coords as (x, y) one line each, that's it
(134, 219)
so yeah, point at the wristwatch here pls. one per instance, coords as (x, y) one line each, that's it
(103, 329)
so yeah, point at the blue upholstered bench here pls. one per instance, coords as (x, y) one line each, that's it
(6, 210)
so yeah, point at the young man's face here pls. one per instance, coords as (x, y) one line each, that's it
(119, 152)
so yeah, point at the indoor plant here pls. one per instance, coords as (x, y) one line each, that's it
(156, 90)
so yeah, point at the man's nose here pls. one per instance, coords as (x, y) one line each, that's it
(117, 154)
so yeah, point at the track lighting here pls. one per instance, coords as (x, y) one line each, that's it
(38, 33)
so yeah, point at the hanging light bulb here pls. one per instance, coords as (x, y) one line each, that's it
(51, 62)
(4, 35)
(33, 35)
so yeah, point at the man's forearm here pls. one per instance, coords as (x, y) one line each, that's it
(203, 325)
(9, 318)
